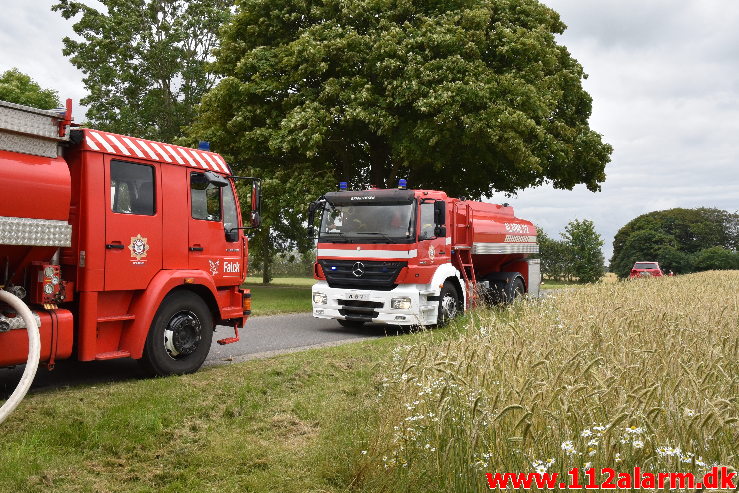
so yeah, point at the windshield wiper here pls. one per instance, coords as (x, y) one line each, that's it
(389, 239)
(333, 240)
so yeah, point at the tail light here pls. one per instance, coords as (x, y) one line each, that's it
(247, 302)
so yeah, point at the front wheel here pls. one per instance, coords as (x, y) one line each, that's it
(180, 335)
(449, 304)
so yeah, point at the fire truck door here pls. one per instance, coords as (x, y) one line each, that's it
(214, 247)
(133, 224)
(432, 250)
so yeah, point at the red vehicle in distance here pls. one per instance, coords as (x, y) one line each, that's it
(646, 269)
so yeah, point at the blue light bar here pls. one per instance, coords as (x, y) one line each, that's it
(204, 145)
(402, 184)
(342, 185)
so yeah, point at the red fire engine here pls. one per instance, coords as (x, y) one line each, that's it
(122, 247)
(417, 257)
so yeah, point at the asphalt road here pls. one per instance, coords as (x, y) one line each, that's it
(262, 337)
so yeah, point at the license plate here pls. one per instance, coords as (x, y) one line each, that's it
(357, 296)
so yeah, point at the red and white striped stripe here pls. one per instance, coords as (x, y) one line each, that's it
(95, 140)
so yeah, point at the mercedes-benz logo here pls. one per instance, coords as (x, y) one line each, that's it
(358, 269)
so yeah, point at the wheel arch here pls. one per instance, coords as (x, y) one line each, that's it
(146, 304)
(447, 272)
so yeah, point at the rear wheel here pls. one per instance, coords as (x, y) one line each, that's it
(517, 290)
(179, 337)
(449, 304)
(351, 324)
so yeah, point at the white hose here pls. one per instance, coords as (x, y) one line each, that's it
(34, 353)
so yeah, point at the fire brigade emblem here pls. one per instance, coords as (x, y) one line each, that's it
(214, 267)
(432, 252)
(139, 246)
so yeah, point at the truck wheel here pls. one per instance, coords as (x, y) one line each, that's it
(351, 324)
(449, 304)
(180, 335)
(517, 290)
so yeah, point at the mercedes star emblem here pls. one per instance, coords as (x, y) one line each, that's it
(358, 269)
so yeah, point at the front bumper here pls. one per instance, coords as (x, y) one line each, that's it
(375, 306)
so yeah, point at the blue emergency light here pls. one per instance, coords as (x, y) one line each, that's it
(402, 184)
(342, 185)
(204, 145)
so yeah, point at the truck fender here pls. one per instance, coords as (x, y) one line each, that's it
(444, 272)
(148, 302)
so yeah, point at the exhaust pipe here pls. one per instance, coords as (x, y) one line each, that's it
(34, 353)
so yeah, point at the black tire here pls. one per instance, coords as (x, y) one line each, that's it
(351, 324)
(517, 290)
(450, 304)
(179, 337)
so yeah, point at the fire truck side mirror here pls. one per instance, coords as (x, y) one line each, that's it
(311, 218)
(256, 203)
(440, 213)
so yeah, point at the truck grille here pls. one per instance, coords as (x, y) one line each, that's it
(362, 274)
(356, 310)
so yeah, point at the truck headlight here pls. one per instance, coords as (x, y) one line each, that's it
(403, 303)
(320, 298)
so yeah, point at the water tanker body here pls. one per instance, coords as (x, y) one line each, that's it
(122, 247)
(417, 257)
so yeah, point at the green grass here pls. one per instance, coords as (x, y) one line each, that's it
(283, 295)
(294, 423)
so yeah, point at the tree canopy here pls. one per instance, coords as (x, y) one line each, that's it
(468, 96)
(682, 240)
(17, 87)
(144, 61)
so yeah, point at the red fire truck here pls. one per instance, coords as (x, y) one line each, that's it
(416, 257)
(122, 247)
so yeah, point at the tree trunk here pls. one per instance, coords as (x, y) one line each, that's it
(378, 160)
(267, 257)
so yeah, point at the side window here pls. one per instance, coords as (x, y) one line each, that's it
(427, 221)
(230, 219)
(205, 199)
(131, 188)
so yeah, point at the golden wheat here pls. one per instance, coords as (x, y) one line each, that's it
(642, 373)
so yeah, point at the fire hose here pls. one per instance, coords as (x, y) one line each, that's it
(34, 353)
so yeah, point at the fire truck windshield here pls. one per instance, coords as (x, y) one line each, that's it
(367, 223)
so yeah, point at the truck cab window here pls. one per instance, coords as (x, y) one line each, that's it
(131, 188)
(205, 199)
(427, 221)
(230, 219)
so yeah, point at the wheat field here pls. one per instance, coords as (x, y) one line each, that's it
(638, 373)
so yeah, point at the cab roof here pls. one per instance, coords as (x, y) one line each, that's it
(125, 146)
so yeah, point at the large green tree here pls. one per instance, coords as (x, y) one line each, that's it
(467, 96)
(676, 238)
(144, 61)
(470, 96)
(17, 87)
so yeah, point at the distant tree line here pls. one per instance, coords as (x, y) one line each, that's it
(681, 240)
(576, 256)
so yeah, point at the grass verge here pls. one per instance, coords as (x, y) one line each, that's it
(283, 295)
(294, 423)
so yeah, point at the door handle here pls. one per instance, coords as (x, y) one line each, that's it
(114, 246)
(196, 249)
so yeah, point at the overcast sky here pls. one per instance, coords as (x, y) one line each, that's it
(664, 76)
